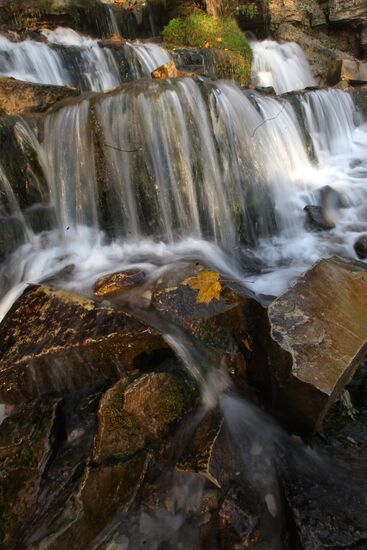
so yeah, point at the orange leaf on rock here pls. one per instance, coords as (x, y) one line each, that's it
(208, 285)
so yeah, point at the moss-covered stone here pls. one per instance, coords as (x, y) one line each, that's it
(130, 416)
(201, 30)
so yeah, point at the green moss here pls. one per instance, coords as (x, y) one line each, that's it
(200, 30)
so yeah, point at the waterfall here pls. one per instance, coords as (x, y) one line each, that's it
(330, 120)
(282, 66)
(71, 59)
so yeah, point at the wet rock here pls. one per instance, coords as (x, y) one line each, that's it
(131, 415)
(56, 341)
(319, 338)
(360, 247)
(238, 521)
(352, 71)
(207, 453)
(220, 322)
(88, 16)
(327, 502)
(12, 234)
(116, 283)
(318, 218)
(24, 451)
(18, 97)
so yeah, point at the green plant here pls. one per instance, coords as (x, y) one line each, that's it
(204, 31)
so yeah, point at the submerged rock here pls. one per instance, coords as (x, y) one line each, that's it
(360, 247)
(319, 337)
(17, 97)
(318, 219)
(56, 341)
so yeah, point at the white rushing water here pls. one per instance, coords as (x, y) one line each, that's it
(72, 59)
(281, 66)
(196, 189)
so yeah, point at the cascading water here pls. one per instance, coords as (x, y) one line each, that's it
(282, 66)
(183, 169)
(71, 59)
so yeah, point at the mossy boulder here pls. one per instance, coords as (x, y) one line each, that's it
(133, 415)
(56, 341)
(203, 31)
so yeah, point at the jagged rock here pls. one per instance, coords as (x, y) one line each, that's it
(207, 453)
(116, 283)
(318, 218)
(56, 341)
(306, 12)
(349, 70)
(319, 338)
(168, 70)
(128, 415)
(360, 247)
(17, 97)
(347, 10)
(24, 451)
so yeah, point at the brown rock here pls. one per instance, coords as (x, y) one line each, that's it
(169, 70)
(18, 97)
(207, 454)
(24, 450)
(56, 341)
(319, 332)
(116, 283)
(128, 415)
(349, 70)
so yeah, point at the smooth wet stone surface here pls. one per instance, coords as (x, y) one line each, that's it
(319, 328)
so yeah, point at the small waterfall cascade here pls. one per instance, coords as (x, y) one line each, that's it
(282, 66)
(190, 161)
(71, 59)
(330, 120)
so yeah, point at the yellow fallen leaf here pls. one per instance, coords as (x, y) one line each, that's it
(206, 44)
(208, 285)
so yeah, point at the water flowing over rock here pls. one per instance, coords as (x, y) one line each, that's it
(281, 66)
(80, 344)
(319, 330)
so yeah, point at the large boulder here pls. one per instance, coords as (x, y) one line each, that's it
(18, 97)
(319, 338)
(56, 341)
(360, 247)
